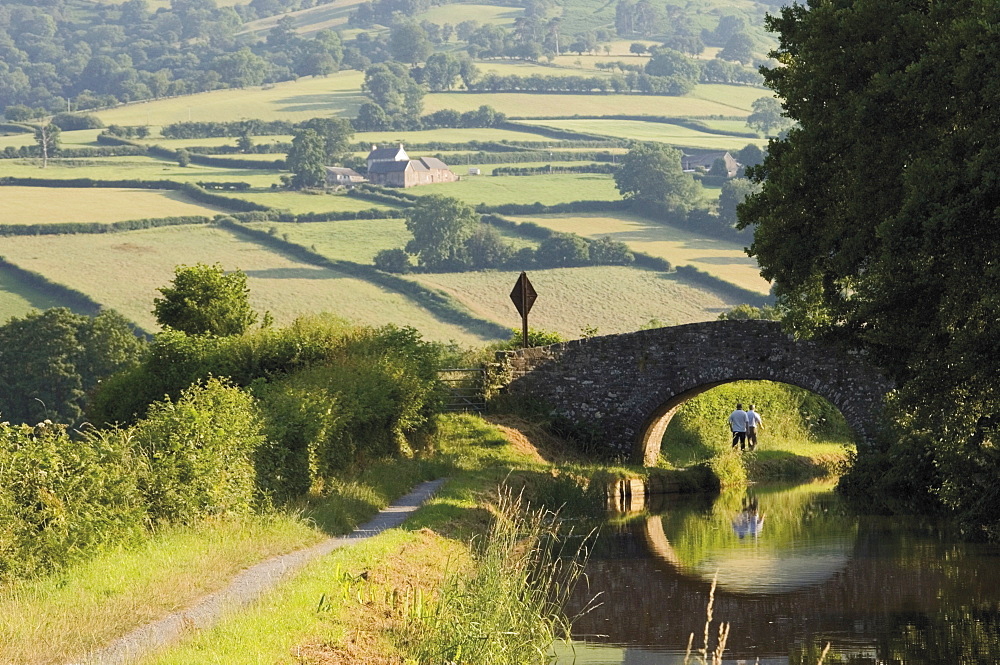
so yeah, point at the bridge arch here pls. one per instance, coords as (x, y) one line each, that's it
(627, 387)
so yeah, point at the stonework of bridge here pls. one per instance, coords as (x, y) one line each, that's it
(627, 387)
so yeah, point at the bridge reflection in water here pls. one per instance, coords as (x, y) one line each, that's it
(881, 590)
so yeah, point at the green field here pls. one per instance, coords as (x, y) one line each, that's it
(75, 139)
(527, 105)
(139, 168)
(613, 299)
(326, 16)
(454, 135)
(124, 271)
(357, 240)
(547, 189)
(337, 94)
(17, 298)
(215, 141)
(55, 205)
(652, 131)
(724, 259)
(300, 202)
(456, 13)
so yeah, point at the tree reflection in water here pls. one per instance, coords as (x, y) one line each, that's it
(880, 589)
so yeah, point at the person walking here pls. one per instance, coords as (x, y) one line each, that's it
(753, 422)
(738, 426)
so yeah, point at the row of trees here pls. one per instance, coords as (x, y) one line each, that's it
(449, 235)
(52, 58)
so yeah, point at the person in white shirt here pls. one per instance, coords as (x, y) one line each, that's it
(738, 426)
(753, 422)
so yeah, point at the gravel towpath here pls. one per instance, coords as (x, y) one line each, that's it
(251, 584)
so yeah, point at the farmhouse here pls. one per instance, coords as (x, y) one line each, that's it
(392, 167)
(339, 175)
(702, 160)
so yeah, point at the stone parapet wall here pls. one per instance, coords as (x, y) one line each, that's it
(628, 386)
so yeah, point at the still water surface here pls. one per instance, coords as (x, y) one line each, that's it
(795, 570)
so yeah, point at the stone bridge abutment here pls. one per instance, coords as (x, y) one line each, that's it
(627, 387)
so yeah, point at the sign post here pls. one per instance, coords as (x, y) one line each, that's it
(524, 297)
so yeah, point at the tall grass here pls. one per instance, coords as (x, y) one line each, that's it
(510, 610)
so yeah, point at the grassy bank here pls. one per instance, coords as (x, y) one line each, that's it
(353, 605)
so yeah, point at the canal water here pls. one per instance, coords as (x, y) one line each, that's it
(795, 570)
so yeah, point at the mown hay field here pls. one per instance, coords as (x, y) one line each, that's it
(17, 298)
(63, 205)
(301, 202)
(338, 94)
(454, 135)
(530, 105)
(484, 14)
(547, 189)
(325, 16)
(133, 168)
(613, 299)
(724, 259)
(124, 271)
(652, 131)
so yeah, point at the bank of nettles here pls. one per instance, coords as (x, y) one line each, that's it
(173, 443)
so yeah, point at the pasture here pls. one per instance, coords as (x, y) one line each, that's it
(337, 94)
(303, 202)
(613, 299)
(357, 240)
(17, 298)
(58, 205)
(546, 189)
(484, 14)
(453, 135)
(661, 132)
(529, 105)
(139, 168)
(123, 271)
(724, 259)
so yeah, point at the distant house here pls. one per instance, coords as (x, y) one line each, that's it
(702, 160)
(392, 167)
(338, 175)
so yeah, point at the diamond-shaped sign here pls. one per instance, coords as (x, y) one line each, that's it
(523, 295)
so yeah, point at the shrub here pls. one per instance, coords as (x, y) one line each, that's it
(393, 260)
(60, 498)
(562, 250)
(607, 252)
(200, 452)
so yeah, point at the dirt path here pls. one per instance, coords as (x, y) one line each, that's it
(250, 585)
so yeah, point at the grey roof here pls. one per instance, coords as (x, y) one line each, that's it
(388, 167)
(343, 170)
(433, 163)
(385, 154)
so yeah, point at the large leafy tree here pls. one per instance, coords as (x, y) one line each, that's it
(651, 174)
(441, 226)
(205, 299)
(877, 220)
(307, 159)
(51, 360)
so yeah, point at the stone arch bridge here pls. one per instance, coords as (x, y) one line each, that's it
(627, 387)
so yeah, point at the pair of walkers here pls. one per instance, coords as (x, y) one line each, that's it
(743, 425)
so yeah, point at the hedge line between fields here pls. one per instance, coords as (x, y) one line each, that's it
(67, 228)
(538, 232)
(190, 189)
(437, 303)
(76, 300)
(661, 119)
(545, 170)
(728, 288)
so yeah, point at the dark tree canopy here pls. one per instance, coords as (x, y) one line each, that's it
(877, 220)
(651, 174)
(51, 360)
(441, 227)
(207, 300)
